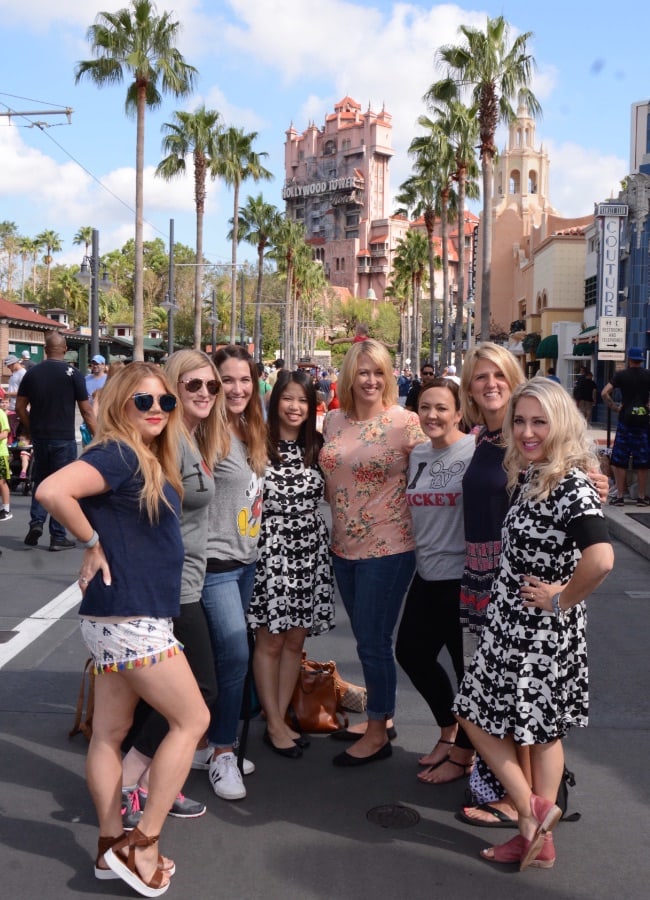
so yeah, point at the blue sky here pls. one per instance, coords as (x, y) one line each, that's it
(264, 64)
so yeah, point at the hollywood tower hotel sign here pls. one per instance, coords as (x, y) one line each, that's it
(337, 186)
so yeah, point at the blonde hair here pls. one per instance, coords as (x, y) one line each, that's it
(350, 366)
(157, 462)
(500, 357)
(252, 421)
(211, 434)
(566, 447)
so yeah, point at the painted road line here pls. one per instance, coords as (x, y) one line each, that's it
(37, 624)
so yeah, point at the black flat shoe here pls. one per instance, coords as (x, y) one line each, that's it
(344, 734)
(289, 752)
(302, 742)
(345, 761)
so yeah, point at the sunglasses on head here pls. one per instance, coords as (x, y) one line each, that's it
(194, 384)
(144, 402)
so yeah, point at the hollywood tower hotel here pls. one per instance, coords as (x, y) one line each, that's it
(337, 185)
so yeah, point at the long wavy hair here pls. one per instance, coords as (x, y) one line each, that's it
(503, 359)
(568, 445)
(309, 438)
(350, 366)
(252, 420)
(211, 434)
(157, 462)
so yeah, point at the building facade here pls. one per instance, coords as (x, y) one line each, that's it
(337, 184)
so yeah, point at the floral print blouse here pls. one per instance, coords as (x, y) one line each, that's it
(365, 467)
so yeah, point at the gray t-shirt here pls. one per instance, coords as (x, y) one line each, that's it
(434, 495)
(198, 487)
(235, 514)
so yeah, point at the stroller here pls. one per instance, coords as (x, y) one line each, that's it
(15, 482)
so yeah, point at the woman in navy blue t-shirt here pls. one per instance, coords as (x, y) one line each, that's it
(122, 502)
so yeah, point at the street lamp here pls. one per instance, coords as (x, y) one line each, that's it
(88, 274)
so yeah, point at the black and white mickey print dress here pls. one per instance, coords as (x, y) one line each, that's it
(294, 582)
(528, 676)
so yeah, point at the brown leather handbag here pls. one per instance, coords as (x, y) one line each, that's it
(315, 702)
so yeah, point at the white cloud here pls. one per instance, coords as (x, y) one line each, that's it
(580, 177)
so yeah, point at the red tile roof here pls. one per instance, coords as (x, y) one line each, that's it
(9, 310)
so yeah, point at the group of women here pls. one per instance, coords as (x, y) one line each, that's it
(168, 503)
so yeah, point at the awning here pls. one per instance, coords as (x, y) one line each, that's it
(547, 347)
(587, 335)
(588, 348)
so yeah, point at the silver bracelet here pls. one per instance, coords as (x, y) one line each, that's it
(92, 540)
(557, 609)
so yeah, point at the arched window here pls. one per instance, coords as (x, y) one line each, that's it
(532, 182)
(515, 182)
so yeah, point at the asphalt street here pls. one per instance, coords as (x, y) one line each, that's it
(302, 833)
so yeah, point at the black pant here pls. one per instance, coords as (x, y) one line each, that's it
(431, 621)
(149, 727)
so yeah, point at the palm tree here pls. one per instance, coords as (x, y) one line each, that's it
(496, 72)
(258, 223)
(52, 243)
(411, 261)
(9, 245)
(434, 167)
(27, 247)
(84, 236)
(237, 162)
(459, 124)
(137, 42)
(287, 241)
(197, 134)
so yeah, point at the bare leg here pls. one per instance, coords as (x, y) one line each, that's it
(267, 666)
(620, 477)
(171, 689)
(642, 475)
(505, 804)
(290, 661)
(501, 756)
(135, 769)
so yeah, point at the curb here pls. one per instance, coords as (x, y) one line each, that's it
(626, 530)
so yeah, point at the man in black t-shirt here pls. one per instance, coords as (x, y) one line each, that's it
(427, 374)
(47, 399)
(631, 440)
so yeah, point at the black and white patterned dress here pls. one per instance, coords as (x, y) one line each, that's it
(528, 676)
(294, 583)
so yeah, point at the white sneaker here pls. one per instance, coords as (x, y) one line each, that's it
(225, 777)
(203, 758)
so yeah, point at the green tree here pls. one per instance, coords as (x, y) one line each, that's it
(9, 246)
(51, 241)
(496, 71)
(411, 262)
(194, 134)
(258, 223)
(287, 242)
(84, 237)
(138, 43)
(235, 163)
(28, 249)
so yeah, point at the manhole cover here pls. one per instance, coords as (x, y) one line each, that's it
(393, 815)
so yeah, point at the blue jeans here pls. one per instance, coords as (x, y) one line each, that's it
(372, 591)
(225, 599)
(49, 457)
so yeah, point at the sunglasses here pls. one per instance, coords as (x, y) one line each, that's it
(194, 384)
(428, 373)
(144, 402)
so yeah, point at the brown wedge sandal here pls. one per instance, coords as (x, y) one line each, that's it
(103, 873)
(127, 870)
